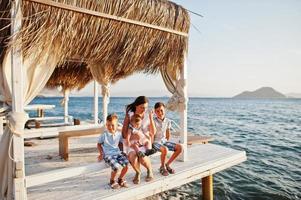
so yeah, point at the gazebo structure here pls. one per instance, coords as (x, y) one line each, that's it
(69, 43)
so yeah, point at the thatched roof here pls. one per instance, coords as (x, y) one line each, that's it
(119, 49)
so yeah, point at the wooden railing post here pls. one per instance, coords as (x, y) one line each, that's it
(183, 113)
(207, 187)
(66, 105)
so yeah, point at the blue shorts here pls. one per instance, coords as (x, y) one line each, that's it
(116, 161)
(171, 146)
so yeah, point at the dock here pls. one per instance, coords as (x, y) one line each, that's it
(204, 161)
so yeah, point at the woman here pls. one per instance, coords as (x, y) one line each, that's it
(139, 107)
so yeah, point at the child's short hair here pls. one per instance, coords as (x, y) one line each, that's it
(111, 117)
(136, 118)
(159, 104)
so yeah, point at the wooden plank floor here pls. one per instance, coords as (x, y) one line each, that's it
(204, 160)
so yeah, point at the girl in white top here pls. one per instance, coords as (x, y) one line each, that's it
(139, 107)
(137, 139)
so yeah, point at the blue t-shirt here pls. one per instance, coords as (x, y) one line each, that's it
(109, 143)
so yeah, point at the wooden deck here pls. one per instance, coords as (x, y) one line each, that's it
(204, 160)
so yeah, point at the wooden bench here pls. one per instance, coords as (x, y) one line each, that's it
(65, 135)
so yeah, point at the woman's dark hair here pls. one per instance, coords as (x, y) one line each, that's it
(138, 101)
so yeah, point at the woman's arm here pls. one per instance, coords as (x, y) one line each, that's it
(152, 127)
(125, 125)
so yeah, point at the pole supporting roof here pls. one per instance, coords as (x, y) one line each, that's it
(108, 16)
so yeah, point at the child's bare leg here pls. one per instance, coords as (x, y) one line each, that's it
(113, 175)
(123, 172)
(163, 155)
(178, 150)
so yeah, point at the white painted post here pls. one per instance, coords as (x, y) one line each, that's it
(18, 115)
(105, 99)
(66, 104)
(1, 126)
(95, 102)
(183, 114)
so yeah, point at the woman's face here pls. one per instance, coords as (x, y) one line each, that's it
(140, 109)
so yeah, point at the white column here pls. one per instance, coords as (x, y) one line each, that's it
(66, 105)
(183, 114)
(18, 115)
(1, 126)
(95, 102)
(105, 100)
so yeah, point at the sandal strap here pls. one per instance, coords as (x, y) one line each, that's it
(114, 185)
(169, 169)
(121, 182)
(163, 171)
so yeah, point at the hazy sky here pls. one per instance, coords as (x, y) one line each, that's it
(242, 45)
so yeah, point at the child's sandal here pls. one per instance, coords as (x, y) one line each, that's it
(113, 184)
(170, 170)
(163, 171)
(122, 183)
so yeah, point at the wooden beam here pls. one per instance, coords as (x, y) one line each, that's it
(18, 115)
(54, 175)
(105, 99)
(107, 16)
(207, 187)
(183, 114)
(1, 126)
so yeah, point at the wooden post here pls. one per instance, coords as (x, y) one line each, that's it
(66, 104)
(95, 102)
(183, 114)
(207, 187)
(18, 115)
(105, 99)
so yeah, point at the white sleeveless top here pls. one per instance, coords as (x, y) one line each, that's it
(145, 121)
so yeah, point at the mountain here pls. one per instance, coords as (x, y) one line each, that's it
(261, 93)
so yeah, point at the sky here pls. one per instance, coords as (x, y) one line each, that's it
(238, 45)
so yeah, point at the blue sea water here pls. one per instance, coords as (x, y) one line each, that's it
(268, 130)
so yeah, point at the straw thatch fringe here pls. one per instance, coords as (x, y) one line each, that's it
(75, 78)
(110, 49)
(4, 26)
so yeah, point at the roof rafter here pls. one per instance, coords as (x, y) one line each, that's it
(104, 15)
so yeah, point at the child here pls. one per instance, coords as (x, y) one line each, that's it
(161, 138)
(136, 138)
(108, 147)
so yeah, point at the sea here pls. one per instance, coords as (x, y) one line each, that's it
(269, 130)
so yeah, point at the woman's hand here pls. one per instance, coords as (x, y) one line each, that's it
(151, 113)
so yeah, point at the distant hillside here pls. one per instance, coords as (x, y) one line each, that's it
(261, 93)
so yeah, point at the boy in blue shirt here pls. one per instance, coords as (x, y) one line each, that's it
(108, 147)
(161, 140)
